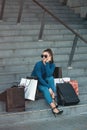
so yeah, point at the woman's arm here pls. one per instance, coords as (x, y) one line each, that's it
(39, 75)
(49, 67)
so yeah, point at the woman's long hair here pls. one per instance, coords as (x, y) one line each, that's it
(51, 54)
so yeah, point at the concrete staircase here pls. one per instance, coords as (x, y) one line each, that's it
(20, 49)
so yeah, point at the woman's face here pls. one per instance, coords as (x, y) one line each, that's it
(46, 57)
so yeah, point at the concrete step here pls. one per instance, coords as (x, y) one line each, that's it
(38, 19)
(37, 26)
(80, 64)
(32, 14)
(82, 90)
(61, 37)
(79, 56)
(81, 47)
(32, 32)
(31, 115)
(74, 72)
(33, 37)
(82, 80)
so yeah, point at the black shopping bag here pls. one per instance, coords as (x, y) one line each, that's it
(66, 94)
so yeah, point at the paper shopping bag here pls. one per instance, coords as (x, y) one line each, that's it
(30, 88)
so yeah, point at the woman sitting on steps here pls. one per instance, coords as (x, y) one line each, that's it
(43, 70)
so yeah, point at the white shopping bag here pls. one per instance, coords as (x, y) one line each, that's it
(61, 80)
(30, 88)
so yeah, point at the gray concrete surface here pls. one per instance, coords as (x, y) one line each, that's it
(78, 122)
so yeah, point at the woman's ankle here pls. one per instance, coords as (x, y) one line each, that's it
(52, 105)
